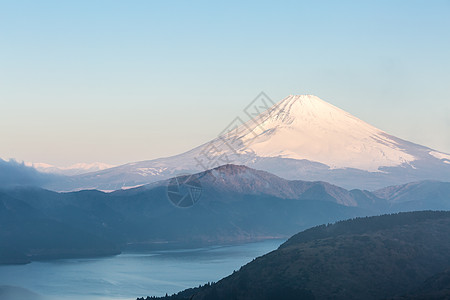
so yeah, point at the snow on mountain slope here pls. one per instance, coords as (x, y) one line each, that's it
(301, 137)
(305, 127)
(75, 169)
(442, 156)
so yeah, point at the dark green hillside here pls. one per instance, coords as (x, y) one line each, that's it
(434, 288)
(27, 233)
(364, 258)
(238, 204)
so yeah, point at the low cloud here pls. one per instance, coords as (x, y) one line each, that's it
(13, 173)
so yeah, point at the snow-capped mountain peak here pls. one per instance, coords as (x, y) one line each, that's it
(306, 127)
(301, 137)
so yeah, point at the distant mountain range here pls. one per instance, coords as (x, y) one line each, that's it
(401, 256)
(75, 169)
(13, 173)
(294, 165)
(237, 204)
(299, 138)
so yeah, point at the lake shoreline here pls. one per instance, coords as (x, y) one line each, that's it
(143, 246)
(132, 274)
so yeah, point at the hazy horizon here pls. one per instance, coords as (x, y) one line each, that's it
(114, 83)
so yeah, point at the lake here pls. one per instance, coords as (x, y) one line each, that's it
(132, 274)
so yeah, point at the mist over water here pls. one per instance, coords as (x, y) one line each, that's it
(129, 275)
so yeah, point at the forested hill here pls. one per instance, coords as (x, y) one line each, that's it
(391, 256)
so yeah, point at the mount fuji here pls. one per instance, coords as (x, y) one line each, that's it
(302, 137)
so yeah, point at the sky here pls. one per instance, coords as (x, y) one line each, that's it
(123, 81)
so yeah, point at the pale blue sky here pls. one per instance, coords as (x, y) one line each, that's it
(121, 81)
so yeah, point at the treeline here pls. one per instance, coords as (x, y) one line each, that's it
(361, 225)
(183, 295)
(363, 258)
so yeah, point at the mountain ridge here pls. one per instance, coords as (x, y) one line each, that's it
(302, 137)
(379, 257)
(238, 203)
(74, 169)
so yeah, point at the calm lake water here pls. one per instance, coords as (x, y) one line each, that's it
(132, 274)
